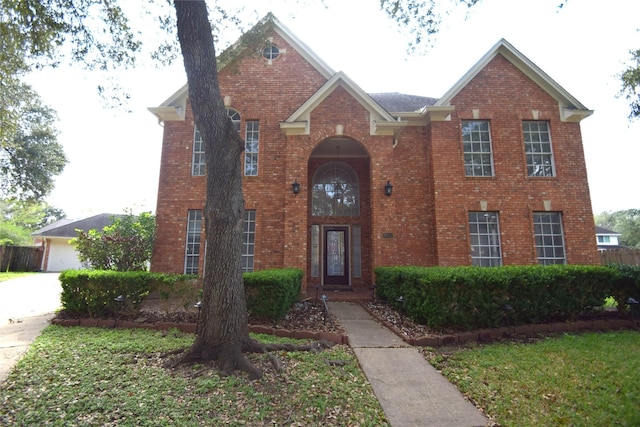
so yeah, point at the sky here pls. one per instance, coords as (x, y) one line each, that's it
(114, 156)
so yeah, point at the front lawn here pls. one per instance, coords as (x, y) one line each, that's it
(591, 379)
(8, 275)
(98, 377)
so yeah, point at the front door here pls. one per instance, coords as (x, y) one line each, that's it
(336, 255)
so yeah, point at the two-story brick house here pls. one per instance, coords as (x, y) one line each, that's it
(338, 181)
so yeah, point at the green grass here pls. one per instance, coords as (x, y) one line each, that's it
(590, 379)
(8, 275)
(97, 377)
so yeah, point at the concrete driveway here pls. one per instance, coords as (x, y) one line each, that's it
(27, 305)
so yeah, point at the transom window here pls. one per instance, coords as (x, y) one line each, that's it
(484, 231)
(251, 145)
(537, 146)
(476, 142)
(271, 52)
(547, 230)
(198, 160)
(335, 190)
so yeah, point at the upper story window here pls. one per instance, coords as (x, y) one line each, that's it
(335, 190)
(476, 143)
(251, 145)
(549, 237)
(537, 146)
(484, 231)
(271, 52)
(198, 161)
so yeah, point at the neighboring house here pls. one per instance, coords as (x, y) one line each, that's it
(607, 239)
(59, 254)
(338, 181)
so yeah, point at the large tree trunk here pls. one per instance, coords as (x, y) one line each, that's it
(224, 333)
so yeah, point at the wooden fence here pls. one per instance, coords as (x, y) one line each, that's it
(620, 256)
(20, 258)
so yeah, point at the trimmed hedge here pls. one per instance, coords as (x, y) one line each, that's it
(92, 292)
(271, 293)
(481, 297)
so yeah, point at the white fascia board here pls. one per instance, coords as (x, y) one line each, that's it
(531, 70)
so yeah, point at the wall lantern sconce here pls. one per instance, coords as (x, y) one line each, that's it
(388, 189)
(295, 187)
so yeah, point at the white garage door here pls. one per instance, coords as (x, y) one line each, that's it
(62, 256)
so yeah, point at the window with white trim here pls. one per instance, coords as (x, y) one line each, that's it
(248, 240)
(537, 146)
(198, 160)
(476, 143)
(251, 145)
(549, 238)
(192, 246)
(484, 233)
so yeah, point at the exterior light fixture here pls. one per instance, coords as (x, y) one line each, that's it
(388, 189)
(120, 299)
(198, 305)
(295, 187)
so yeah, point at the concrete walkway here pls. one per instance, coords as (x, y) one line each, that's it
(27, 305)
(410, 391)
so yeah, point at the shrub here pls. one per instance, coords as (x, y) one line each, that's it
(478, 297)
(271, 293)
(92, 292)
(125, 245)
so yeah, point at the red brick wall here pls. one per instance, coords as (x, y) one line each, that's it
(424, 222)
(505, 96)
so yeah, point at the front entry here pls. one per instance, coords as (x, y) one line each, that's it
(336, 256)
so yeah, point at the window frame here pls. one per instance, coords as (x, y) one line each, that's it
(484, 239)
(546, 243)
(198, 160)
(473, 159)
(193, 241)
(334, 183)
(546, 167)
(249, 241)
(251, 147)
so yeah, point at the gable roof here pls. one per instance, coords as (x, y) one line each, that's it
(602, 230)
(381, 121)
(395, 102)
(571, 110)
(174, 107)
(67, 228)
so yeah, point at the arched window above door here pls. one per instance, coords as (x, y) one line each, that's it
(335, 190)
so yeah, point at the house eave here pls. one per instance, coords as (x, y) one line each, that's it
(438, 113)
(168, 114)
(573, 115)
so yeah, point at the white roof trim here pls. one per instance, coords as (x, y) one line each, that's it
(565, 100)
(179, 98)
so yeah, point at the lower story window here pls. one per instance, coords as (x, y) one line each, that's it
(549, 237)
(248, 240)
(484, 232)
(192, 251)
(193, 243)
